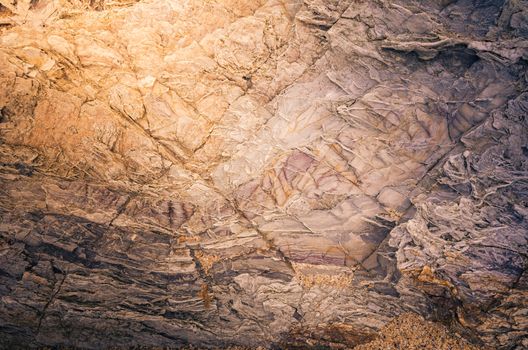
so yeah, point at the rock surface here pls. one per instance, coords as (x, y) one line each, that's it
(413, 333)
(262, 173)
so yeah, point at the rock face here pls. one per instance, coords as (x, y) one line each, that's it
(262, 173)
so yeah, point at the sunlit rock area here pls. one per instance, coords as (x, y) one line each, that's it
(273, 174)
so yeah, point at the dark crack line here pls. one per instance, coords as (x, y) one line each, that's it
(122, 208)
(50, 301)
(176, 159)
(269, 241)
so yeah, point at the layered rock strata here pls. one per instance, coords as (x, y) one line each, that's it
(262, 173)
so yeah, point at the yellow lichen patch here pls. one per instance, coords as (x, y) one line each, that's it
(205, 295)
(207, 261)
(188, 239)
(309, 275)
(427, 275)
(394, 214)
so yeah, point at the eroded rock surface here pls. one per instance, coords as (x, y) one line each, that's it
(262, 173)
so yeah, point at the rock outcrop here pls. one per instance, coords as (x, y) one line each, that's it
(262, 173)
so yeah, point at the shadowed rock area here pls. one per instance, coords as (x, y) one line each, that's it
(283, 174)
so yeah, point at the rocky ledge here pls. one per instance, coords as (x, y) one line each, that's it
(262, 173)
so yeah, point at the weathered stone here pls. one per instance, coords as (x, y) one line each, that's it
(263, 173)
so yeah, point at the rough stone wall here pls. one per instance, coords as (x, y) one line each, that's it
(261, 172)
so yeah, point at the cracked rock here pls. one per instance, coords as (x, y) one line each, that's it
(265, 173)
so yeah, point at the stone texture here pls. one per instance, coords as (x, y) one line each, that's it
(261, 173)
(413, 333)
